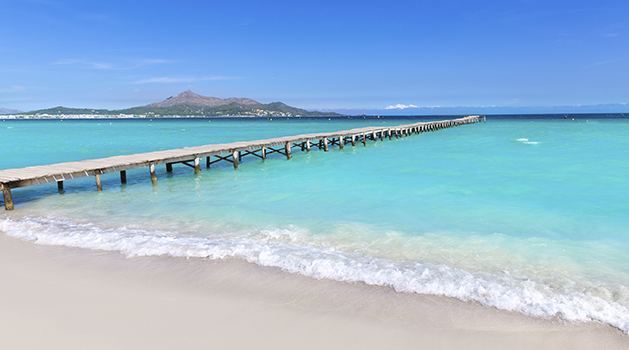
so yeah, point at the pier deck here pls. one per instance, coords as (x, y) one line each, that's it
(191, 156)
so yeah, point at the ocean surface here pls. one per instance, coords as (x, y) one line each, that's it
(521, 213)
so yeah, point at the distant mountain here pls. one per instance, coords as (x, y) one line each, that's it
(8, 111)
(188, 103)
(189, 98)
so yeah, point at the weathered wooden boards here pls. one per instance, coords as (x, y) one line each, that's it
(191, 156)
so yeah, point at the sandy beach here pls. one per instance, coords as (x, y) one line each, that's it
(65, 298)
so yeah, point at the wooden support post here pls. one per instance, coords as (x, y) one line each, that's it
(263, 152)
(390, 134)
(308, 145)
(364, 139)
(354, 140)
(123, 176)
(60, 185)
(235, 159)
(8, 200)
(197, 165)
(169, 167)
(207, 162)
(99, 185)
(287, 148)
(341, 141)
(153, 176)
(325, 144)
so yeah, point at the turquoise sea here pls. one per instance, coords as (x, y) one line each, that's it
(521, 213)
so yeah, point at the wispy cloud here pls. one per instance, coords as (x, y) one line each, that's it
(13, 88)
(69, 61)
(613, 30)
(169, 80)
(99, 65)
(401, 106)
(604, 62)
(149, 61)
(85, 63)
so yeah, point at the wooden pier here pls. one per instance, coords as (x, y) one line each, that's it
(192, 156)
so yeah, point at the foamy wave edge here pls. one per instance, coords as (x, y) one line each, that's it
(270, 249)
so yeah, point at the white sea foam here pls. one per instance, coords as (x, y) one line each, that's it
(526, 141)
(290, 250)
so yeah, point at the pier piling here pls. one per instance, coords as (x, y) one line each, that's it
(235, 159)
(99, 185)
(8, 200)
(152, 171)
(197, 166)
(288, 148)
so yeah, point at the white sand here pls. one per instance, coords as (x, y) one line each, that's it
(64, 298)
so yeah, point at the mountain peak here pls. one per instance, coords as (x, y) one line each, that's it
(188, 94)
(189, 98)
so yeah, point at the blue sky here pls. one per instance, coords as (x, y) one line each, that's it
(333, 55)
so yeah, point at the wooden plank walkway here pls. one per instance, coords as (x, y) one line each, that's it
(192, 156)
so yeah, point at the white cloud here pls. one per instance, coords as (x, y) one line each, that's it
(401, 106)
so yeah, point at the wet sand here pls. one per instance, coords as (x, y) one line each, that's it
(66, 298)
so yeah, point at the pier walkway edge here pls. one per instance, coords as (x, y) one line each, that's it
(192, 156)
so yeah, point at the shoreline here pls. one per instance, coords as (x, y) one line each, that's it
(60, 297)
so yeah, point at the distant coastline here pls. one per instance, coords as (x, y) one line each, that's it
(541, 116)
(185, 105)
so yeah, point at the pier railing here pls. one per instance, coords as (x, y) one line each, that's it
(192, 156)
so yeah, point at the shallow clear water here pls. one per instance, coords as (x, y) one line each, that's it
(523, 214)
